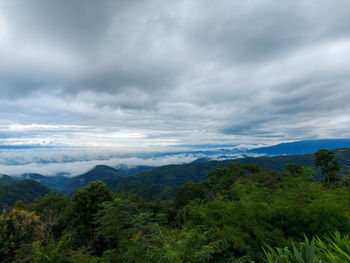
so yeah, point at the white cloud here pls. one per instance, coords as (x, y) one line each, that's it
(77, 161)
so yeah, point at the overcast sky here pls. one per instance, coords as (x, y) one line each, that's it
(160, 73)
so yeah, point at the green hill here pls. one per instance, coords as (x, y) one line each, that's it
(25, 190)
(5, 180)
(100, 172)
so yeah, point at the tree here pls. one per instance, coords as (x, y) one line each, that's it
(114, 219)
(52, 209)
(252, 168)
(86, 202)
(295, 170)
(189, 191)
(17, 228)
(329, 166)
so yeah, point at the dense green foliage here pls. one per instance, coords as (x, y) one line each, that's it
(147, 191)
(18, 228)
(240, 213)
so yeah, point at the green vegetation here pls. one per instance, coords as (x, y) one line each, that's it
(26, 190)
(6, 180)
(240, 213)
(100, 172)
(329, 166)
(332, 249)
(18, 228)
(147, 191)
(177, 175)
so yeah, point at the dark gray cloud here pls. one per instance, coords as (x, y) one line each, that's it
(258, 30)
(163, 73)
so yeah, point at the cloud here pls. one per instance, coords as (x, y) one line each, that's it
(75, 161)
(79, 167)
(156, 74)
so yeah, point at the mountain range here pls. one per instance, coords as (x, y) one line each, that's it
(162, 182)
(302, 147)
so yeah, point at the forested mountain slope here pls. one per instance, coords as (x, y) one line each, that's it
(100, 172)
(25, 190)
(5, 180)
(176, 175)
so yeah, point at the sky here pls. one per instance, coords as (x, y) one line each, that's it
(147, 75)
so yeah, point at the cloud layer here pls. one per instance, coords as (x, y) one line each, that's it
(75, 161)
(134, 74)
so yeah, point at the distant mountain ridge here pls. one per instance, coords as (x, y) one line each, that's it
(176, 175)
(57, 182)
(302, 147)
(99, 172)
